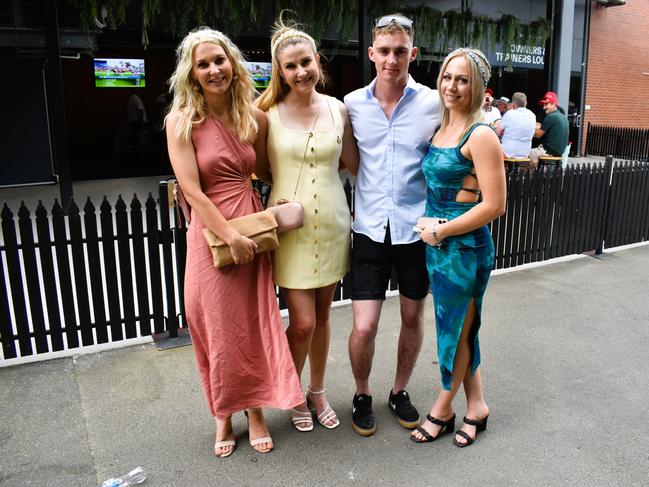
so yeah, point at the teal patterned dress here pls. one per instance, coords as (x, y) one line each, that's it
(460, 270)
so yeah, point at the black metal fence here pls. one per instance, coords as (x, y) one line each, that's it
(621, 142)
(76, 280)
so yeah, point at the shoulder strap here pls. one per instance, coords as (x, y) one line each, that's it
(273, 113)
(468, 133)
(334, 111)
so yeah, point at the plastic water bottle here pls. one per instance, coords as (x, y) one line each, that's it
(134, 477)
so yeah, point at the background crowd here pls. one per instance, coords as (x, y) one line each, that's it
(517, 128)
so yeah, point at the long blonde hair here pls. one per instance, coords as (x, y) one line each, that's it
(284, 36)
(188, 99)
(479, 74)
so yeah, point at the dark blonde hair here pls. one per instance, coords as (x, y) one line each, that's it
(283, 36)
(188, 99)
(479, 74)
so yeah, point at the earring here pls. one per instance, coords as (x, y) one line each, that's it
(235, 77)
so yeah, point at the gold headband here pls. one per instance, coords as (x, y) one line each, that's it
(288, 34)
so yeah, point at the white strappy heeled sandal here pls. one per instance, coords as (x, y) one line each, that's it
(302, 420)
(326, 416)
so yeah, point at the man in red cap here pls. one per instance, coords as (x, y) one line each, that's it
(491, 114)
(553, 132)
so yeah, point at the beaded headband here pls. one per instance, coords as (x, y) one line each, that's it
(288, 34)
(476, 58)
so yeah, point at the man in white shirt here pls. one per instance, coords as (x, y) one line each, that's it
(491, 113)
(516, 128)
(393, 119)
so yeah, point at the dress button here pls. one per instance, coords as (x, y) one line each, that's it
(313, 180)
(312, 165)
(316, 256)
(316, 211)
(312, 149)
(315, 196)
(315, 241)
(315, 271)
(315, 227)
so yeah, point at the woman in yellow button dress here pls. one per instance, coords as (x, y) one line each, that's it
(308, 134)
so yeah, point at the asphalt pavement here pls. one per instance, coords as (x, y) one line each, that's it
(564, 350)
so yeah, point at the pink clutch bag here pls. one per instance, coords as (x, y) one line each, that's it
(289, 216)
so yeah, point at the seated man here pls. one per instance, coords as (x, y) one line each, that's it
(516, 128)
(491, 114)
(553, 132)
(502, 104)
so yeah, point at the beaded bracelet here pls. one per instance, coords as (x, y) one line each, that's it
(439, 243)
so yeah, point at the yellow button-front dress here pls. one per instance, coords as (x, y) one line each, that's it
(317, 254)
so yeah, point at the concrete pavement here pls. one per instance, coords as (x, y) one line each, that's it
(564, 363)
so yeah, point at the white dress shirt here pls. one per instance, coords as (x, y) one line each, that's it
(390, 187)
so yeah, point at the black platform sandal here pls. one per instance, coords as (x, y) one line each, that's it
(480, 425)
(447, 427)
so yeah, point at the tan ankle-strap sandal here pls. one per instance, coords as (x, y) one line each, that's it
(223, 444)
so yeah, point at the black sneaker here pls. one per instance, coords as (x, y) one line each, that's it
(400, 405)
(362, 417)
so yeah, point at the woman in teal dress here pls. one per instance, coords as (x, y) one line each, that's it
(465, 181)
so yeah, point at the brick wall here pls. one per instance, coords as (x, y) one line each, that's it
(617, 91)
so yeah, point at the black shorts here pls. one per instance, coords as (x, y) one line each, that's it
(372, 264)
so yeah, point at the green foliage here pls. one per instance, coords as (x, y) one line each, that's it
(510, 30)
(89, 10)
(442, 31)
(435, 30)
(538, 31)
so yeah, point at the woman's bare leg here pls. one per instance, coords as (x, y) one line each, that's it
(302, 323)
(476, 407)
(224, 432)
(257, 428)
(443, 408)
(319, 351)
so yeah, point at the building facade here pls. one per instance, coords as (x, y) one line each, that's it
(617, 79)
(61, 125)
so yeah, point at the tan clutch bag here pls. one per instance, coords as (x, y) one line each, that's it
(260, 227)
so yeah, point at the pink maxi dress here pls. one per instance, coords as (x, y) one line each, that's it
(238, 336)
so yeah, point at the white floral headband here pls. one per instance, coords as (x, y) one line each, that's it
(288, 34)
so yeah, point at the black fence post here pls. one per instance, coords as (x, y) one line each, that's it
(603, 226)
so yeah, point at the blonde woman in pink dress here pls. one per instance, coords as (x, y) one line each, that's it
(214, 137)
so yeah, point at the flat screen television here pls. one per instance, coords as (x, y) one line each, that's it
(119, 73)
(260, 73)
